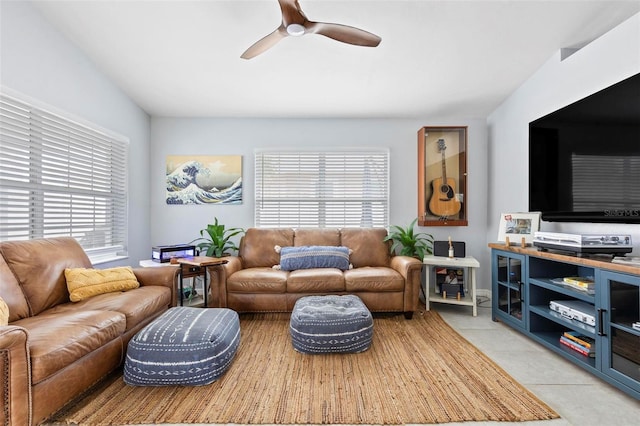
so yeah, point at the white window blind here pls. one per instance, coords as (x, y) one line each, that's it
(610, 185)
(59, 177)
(322, 189)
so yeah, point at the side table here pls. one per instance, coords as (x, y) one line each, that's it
(469, 264)
(194, 267)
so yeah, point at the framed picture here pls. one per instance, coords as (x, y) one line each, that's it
(204, 179)
(517, 226)
(442, 176)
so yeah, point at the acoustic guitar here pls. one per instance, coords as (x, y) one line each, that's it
(443, 200)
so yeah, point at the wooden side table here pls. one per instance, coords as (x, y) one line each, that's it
(194, 267)
(469, 264)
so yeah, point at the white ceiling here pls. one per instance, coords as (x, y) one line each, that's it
(463, 58)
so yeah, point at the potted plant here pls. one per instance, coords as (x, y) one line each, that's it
(215, 240)
(408, 242)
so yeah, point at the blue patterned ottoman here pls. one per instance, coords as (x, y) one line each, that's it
(322, 324)
(183, 346)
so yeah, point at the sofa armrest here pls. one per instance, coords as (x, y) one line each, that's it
(164, 276)
(219, 276)
(15, 376)
(411, 270)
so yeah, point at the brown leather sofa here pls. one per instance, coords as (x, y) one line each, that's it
(53, 349)
(249, 283)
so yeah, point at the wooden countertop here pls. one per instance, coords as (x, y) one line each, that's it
(592, 260)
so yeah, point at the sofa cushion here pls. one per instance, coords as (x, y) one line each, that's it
(4, 312)
(367, 245)
(137, 305)
(58, 339)
(315, 281)
(308, 257)
(38, 265)
(256, 246)
(12, 294)
(257, 280)
(373, 279)
(317, 237)
(87, 282)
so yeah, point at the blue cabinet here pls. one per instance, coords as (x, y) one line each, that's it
(529, 285)
(509, 271)
(619, 339)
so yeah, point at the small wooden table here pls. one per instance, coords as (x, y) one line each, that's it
(469, 263)
(194, 267)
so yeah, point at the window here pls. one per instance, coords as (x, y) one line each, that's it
(322, 189)
(59, 177)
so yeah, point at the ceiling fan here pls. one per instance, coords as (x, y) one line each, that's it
(295, 23)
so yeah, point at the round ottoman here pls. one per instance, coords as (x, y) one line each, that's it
(323, 324)
(183, 346)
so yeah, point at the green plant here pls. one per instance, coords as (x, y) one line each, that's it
(408, 242)
(215, 239)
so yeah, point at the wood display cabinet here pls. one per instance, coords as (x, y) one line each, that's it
(527, 287)
(442, 176)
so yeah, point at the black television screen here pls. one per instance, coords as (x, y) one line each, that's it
(584, 159)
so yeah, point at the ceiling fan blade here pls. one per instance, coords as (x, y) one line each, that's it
(264, 43)
(344, 33)
(295, 23)
(291, 13)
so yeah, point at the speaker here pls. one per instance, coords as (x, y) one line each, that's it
(441, 248)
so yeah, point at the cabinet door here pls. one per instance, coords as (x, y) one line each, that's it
(508, 288)
(620, 340)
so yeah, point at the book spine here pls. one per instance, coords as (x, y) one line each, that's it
(582, 283)
(575, 347)
(578, 340)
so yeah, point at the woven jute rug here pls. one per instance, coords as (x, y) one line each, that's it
(416, 371)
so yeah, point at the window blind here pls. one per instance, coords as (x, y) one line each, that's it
(609, 186)
(322, 189)
(59, 177)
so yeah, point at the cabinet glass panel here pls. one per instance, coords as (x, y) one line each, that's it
(625, 303)
(625, 345)
(625, 353)
(510, 286)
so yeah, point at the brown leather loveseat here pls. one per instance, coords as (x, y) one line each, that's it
(54, 349)
(249, 282)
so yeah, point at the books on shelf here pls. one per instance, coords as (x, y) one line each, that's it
(580, 339)
(585, 283)
(578, 342)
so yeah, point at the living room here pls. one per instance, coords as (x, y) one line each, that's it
(44, 65)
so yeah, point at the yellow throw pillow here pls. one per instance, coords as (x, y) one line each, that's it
(84, 283)
(4, 312)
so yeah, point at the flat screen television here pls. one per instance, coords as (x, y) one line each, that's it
(584, 159)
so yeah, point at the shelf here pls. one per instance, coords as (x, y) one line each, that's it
(437, 297)
(576, 325)
(513, 286)
(553, 285)
(626, 328)
(552, 340)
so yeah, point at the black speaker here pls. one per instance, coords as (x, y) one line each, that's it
(441, 248)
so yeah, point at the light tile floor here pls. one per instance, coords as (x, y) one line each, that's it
(576, 395)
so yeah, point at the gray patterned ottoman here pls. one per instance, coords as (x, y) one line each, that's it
(183, 346)
(322, 324)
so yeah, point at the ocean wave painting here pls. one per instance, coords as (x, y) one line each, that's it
(204, 179)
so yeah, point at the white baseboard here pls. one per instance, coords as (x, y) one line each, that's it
(483, 292)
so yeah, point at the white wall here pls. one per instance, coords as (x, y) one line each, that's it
(607, 60)
(40, 63)
(173, 224)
